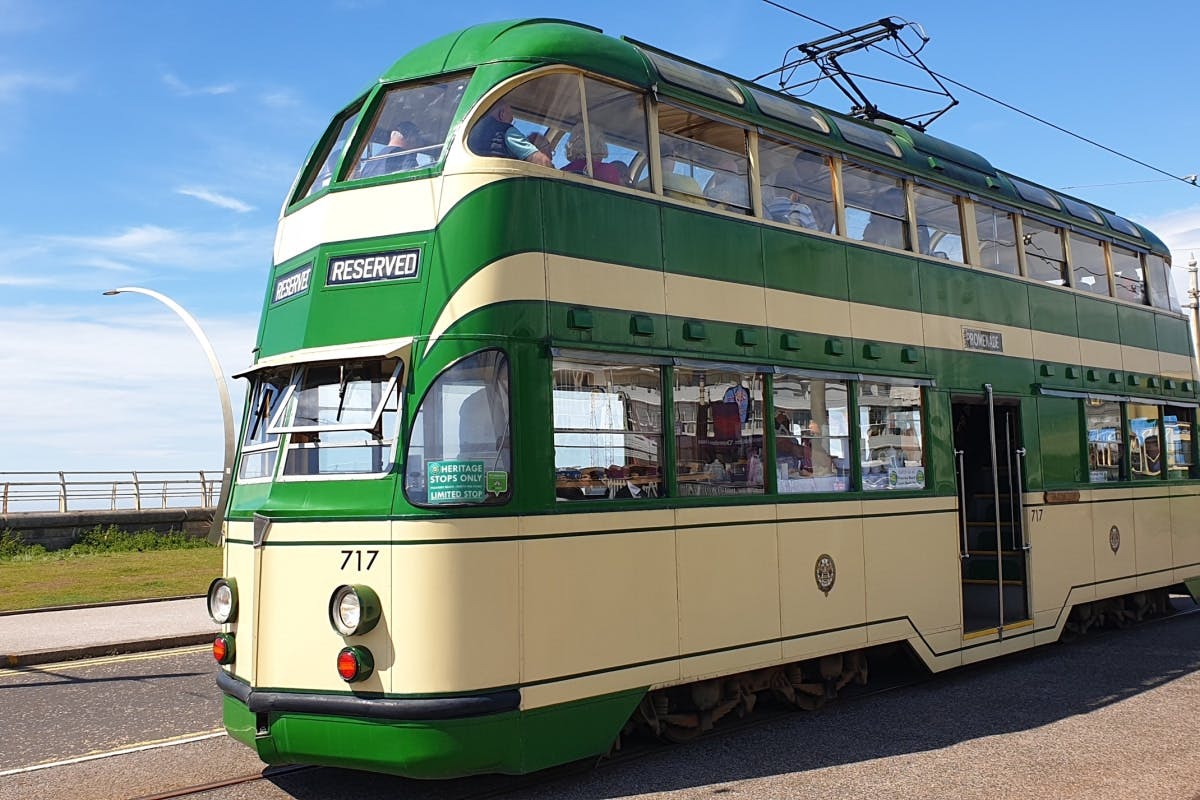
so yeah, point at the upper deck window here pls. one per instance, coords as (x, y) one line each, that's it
(694, 78)
(871, 138)
(1162, 290)
(704, 161)
(1088, 267)
(409, 127)
(1128, 278)
(1121, 224)
(1044, 256)
(1035, 194)
(876, 210)
(1081, 210)
(939, 224)
(335, 142)
(997, 235)
(789, 111)
(797, 186)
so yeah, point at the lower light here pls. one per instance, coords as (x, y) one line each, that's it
(355, 664)
(222, 648)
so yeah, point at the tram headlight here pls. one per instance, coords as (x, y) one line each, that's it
(353, 610)
(222, 600)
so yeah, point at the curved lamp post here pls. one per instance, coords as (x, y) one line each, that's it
(214, 535)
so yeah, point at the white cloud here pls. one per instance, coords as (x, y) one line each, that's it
(281, 98)
(184, 90)
(118, 386)
(219, 200)
(13, 85)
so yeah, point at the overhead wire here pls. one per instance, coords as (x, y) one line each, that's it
(1191, 180)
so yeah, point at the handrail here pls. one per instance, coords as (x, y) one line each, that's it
(90, 491)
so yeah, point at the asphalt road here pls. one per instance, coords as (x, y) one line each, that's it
(1110, 716)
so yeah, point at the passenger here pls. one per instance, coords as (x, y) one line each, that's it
(397, 156)
(623, 172)
(785, 204)
(1153, 455)
(725, 189)
(495, 135)
(577, 156)
(884, 227)
(813, 172)
(540, 141)
(680, 187)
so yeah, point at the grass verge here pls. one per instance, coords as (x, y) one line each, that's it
(107, 565)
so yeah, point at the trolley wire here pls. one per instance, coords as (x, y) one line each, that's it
(1191, 180)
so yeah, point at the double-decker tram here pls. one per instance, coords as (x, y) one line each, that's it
(598, 390)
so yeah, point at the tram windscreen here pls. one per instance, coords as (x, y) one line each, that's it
(409, 127)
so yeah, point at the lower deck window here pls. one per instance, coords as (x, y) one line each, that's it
(1181, 457)
(607, 431)
(1145, 442)
(812, 434)
(1106, 446)
(718, 431)
(892, 444)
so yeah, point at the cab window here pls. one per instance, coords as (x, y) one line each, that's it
(409, 128)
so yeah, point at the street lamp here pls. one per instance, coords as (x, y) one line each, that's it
(1194, 294)
(214, 535)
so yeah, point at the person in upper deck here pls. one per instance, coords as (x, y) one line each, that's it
(577, 156)
(396, 156)
(782, 201)
(495, 135)
(887, 227)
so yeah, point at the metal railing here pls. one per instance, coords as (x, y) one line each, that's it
(93, 491)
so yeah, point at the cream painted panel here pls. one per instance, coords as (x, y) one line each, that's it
(912, 570)
(805, 608)
(1104, 355)
(947, 333)
(821, 510)
(1176, 366)
(594, 283)
(883, 324)
(297, 647)
(517, 277)
(1055, 347)
(555, 524)
(1139, 360)
(239, 564)
(1009, 644)
(434, 530)
(547, 694)
(1185, 530)
(719, 301)
(1060, 556)
(793, 311)
(1110, 566)
(597, 602)
(1152, 531)
(364, 213)
(880, 503)
(728, 586)
(709, 515)
(726, 662)
(455, 617)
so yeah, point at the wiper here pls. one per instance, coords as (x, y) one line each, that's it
(264, 409)
(341, 392)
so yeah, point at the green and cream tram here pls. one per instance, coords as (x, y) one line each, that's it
(595, 389)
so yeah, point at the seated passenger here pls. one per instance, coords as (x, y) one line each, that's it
(782, 201)
(540, 141)
(577, 156)
(396, 156)
(888, 226)
(495, 135)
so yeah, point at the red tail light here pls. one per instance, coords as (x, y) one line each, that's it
(222, 648)
(355, 664)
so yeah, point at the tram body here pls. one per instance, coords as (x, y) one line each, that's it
(530, 453)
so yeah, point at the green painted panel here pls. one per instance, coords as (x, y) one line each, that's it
(1053, 311)
(711, 246)
(601, 225)
(1173, 335)
(968, 372)
(797, 262)
(1138, 329)
(1097, 319)
(883, 279)
(721, 340)
(871, 356)
(615, 328)
(940, 476)
(238, 720)
(951, 291)
(806, 349)
(562, 733)
(370, 497)
(1060, 447)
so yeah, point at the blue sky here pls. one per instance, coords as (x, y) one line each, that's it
(151, 144)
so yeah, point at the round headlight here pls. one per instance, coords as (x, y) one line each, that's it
(222, 600)
(353, 610)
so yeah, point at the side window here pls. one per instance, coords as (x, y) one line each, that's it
(797, 186)
(336, 139)
(260, 448)
(1181, 456)
(812, 434)
(460, 450)
(893, 448)
(1105, 445)
(1145, 443)
(875, 207)
(1088, 268)
(997, 234)
(607, 431)
(718, 431)
(1044, 258)
(409, 128)
(618, 141)
(1162, 290)
(527, 123)
(939, 226)
(1128, 278)
(703, 161)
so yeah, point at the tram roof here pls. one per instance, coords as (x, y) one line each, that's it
(538, 41)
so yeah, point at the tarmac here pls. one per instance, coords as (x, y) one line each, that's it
(63, 634)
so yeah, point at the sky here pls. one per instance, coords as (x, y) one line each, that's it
(151, 144)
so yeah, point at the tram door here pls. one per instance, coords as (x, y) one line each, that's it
(994, 555)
